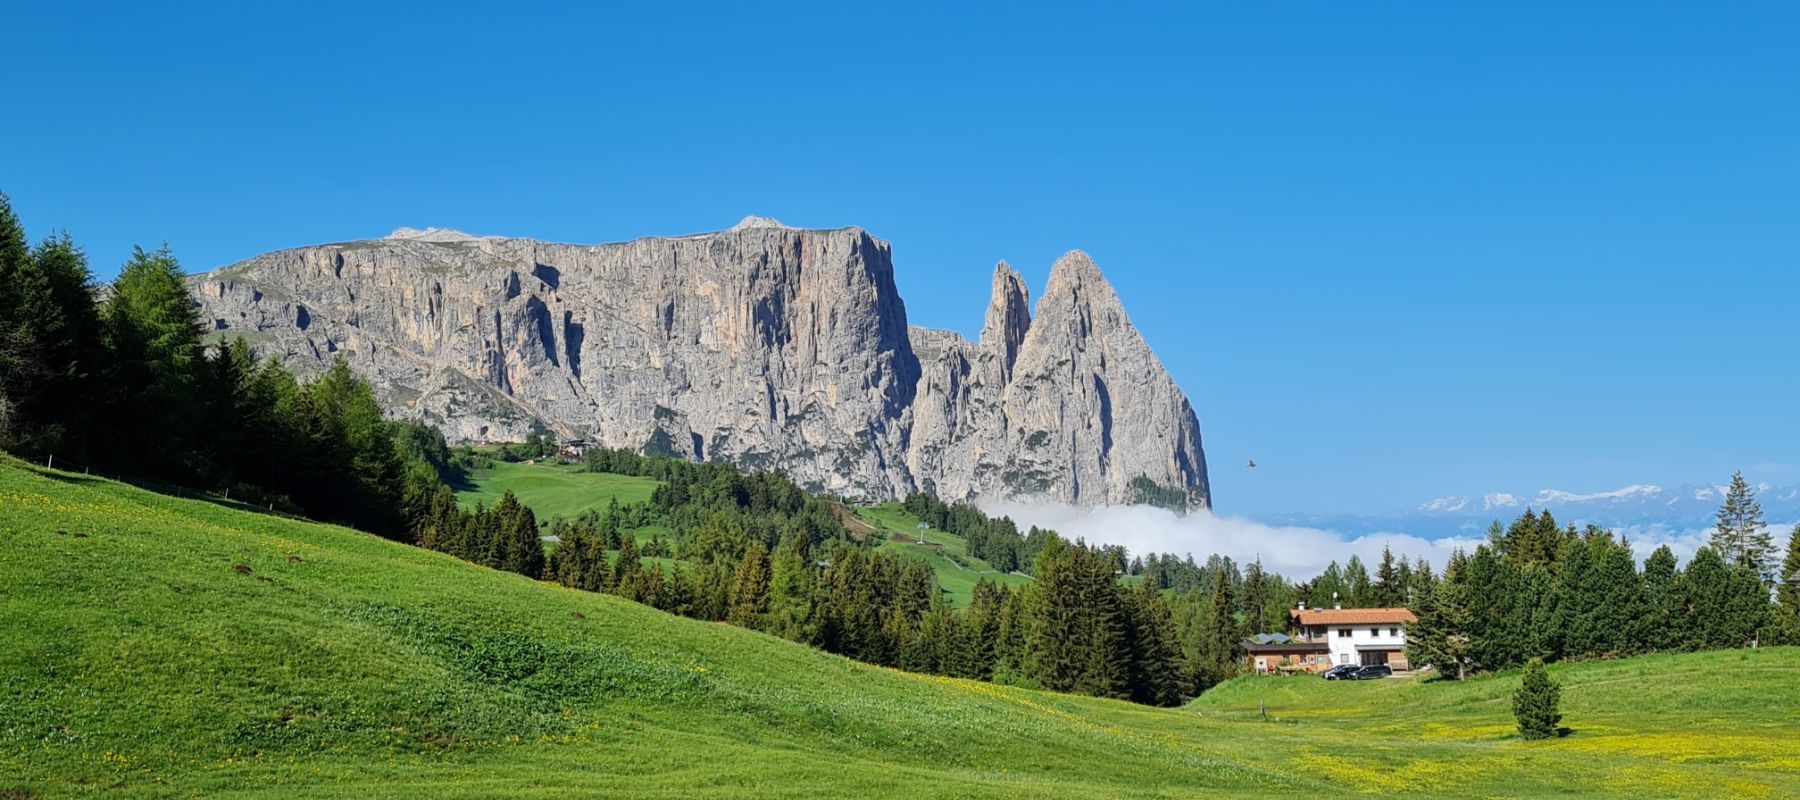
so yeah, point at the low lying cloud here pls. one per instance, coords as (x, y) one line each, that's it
(1296, 552)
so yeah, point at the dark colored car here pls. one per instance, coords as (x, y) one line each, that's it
(1373, 671)
(1341, 672)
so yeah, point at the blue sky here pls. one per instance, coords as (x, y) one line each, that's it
(1391, 251)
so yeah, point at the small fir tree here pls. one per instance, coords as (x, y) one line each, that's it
(1535, 703)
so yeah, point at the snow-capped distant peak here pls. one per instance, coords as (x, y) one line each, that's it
(1489, 502)
(1495, 500)
(1633, 492)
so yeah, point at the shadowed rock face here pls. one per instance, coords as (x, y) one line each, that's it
(767, 346)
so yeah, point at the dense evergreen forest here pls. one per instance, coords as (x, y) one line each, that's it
(125, 380)
(129, 385)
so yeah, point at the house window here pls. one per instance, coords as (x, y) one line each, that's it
(1374, 631)
(1393, 631)
(1343, 631)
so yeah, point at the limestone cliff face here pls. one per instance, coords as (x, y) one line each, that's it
(766, 346)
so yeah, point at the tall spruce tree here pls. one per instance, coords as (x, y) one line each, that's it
(750, 588)
(1727, 603)
(1211, 643)
(1156, 664)
(1389, 587)
(1060, 636)
(1328, 589)
(1788, 592)
(1360, 592)
(153, 333)
(791, 583)
(1740, 537)
(1666, 619)
(49, 340)
(1256, 600)
(1421, 582)
(1108, 668)
(1440, 638)
(1786, 622)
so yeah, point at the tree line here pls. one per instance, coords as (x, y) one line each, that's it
(1539, 590)
(122, 378)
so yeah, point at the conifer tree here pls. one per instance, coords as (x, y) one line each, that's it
(932, 651)
(1012, 636)
(1787, 594)
(1421, 582)
(1666, 620)
(1107, 672)
(1727, 604)
(1211, 648)
(1535, 704)
(1256, 599)
(1156, 668)
(1328, 589)
(750, 588)
(153, 333)
(627, 571)
(527, 549)
(1059, 638)
(679, 592)
(49, 338)
(1440, 638)
(1740, 537)
(791, 586)
(1389, 591)
(1360, 593)
(1502, 606)
(1619, 603)
(980, 631)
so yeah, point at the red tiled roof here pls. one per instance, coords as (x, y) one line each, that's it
(1353, 616)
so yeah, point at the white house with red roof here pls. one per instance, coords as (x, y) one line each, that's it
(1360, 636)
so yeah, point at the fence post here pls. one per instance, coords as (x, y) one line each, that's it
(50, 463)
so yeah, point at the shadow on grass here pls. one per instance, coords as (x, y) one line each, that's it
(164, 489)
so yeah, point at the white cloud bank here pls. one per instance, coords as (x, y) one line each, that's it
(1298, 553)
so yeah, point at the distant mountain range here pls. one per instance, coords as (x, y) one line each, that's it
(1636, 507)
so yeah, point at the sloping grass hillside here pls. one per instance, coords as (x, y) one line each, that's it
(555, 490)
(947, 553)
(153, 647)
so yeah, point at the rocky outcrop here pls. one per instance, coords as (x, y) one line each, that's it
(763, 345)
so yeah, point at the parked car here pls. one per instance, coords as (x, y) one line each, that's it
(1372, 672)
(1341, 672)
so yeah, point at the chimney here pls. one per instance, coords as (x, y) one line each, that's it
(1338, 606)
(1302, 605)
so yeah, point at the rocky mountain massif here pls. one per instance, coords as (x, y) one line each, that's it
(763, 345)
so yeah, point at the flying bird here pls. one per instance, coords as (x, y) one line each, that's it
(1251, 465)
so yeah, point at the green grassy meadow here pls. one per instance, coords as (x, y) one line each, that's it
(948, 554)
(155, 647)
(554, 490)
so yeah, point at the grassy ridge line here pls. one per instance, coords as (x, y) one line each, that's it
(138, 661)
